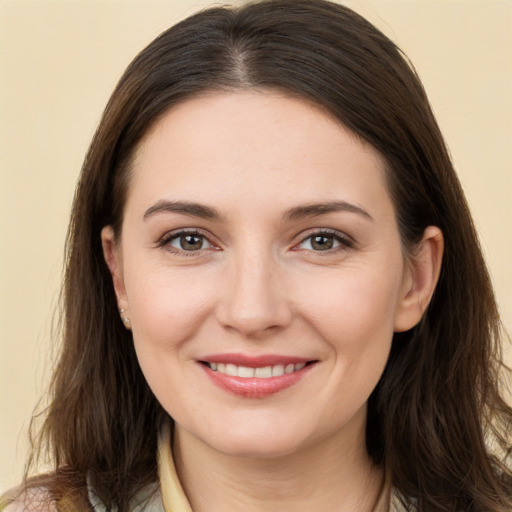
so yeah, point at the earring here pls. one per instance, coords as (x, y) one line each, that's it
(125, 319)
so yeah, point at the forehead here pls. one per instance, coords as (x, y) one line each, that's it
(244, 143)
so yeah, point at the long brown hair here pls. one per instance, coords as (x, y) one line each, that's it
(438, 407)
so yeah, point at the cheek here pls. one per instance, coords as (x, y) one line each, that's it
(355, 318)
(351, 308)
(167, 309)
(167, 306)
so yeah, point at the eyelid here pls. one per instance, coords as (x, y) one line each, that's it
(164, 240)
(345, 241)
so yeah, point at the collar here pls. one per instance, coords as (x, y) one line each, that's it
(173, 496)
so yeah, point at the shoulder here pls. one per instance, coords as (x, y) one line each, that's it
(33, 499)
(39, 499)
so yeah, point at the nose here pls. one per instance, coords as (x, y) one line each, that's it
(253, 301)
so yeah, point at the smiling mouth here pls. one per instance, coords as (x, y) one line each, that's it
(255, 376)
(263, 372)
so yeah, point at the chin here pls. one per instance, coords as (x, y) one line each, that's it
(257, 447)
(261, 440)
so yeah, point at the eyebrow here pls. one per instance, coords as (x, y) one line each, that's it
(316, 209)
(184, 208)
(293, 214)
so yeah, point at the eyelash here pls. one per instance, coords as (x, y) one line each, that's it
(165, 242)
(344, 241)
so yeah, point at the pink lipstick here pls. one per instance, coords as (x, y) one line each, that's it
(255, 377)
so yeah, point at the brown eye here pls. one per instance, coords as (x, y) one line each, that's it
(322, 242)
(189, 242)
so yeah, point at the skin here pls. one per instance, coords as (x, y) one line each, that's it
(256, 283)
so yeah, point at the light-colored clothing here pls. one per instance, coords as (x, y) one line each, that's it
(173, 496)
(169, 496)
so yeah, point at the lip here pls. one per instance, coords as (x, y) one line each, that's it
(254, 387)
(254, 361)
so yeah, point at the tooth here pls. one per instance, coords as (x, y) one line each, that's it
(231, 369)
(263, 373)
(245, 372)
(289, 368)
(277, 370)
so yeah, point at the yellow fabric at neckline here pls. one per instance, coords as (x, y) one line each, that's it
(173, 496)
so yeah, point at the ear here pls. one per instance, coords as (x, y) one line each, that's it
(420, 279)
(112, 255)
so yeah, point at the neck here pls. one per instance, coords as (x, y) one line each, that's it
(332, 475)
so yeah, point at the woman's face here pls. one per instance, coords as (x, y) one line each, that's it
(261, 269)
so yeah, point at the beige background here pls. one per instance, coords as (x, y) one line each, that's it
(59, 61)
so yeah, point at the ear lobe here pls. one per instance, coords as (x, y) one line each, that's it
(114, 262)
(420, 279)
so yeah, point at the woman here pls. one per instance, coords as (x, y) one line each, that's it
(272, 270)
